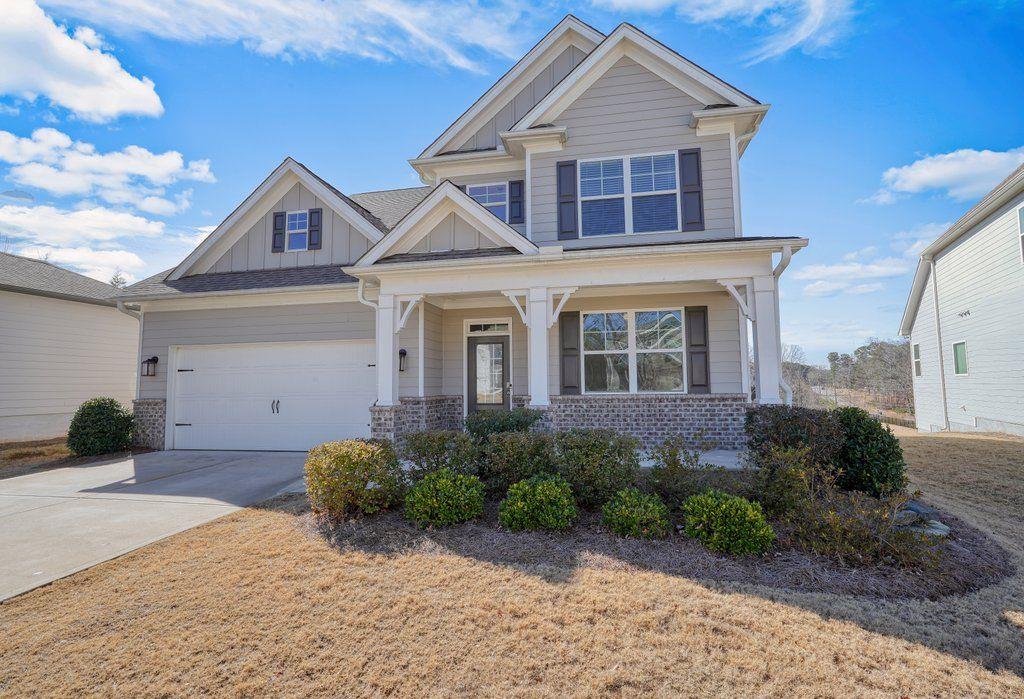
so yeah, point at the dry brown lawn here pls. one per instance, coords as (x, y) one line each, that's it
(20, 458)
(251, 604)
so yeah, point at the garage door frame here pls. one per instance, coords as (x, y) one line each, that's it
(174, 353)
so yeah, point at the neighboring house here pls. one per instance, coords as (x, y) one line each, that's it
(965, 319)
(62, 342)
(577, 249)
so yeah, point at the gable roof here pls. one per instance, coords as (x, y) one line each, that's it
(159, 286)
(391, 205)
(358, 216)
(999, 196)
(468, 208)
(487, 102)
(40, 278)
(649, 52)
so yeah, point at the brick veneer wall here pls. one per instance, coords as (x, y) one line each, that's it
(415, 415)
(148, 428)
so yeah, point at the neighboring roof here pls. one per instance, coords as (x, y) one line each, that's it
(29, 276)
(447, 255)
(391, 205)
(1000, 194)
(158, 286)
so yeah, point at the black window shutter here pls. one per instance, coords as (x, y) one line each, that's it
(515, 202)
(698, 364)
(315, 226)
(690, 189)
(569, 352)
(462, 187)
(567, 225)
(277, 239)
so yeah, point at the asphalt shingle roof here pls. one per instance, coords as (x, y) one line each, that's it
(448, 255)
(31, 276)
(158, 285)
(391, 205)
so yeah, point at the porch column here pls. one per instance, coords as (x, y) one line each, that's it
(537, 345)
(387, 365)
(766, 340)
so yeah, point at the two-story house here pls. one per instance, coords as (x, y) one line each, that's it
(577, 248)
(965, 317)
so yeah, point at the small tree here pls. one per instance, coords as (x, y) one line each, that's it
(118, 280)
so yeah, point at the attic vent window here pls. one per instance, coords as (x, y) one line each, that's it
(298, 230)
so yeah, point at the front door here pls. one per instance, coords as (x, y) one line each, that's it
(490, 385)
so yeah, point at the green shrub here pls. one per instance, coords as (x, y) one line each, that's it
(443, 498)
(636, 514)
(677, 472)
(597, 463)
(353, 477)
(790, 427)
(785, 480)
(728, 523)
(432, 451)
(100, 426)
(870, 460)
(484, 423)
(515, 456)
(541, 502)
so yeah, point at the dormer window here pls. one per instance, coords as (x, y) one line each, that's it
(297, 233)
(493, 197)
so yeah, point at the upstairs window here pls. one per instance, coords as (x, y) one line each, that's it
(655, 197)
(602, 197)
(917, 360)
(297, 231)
(493, 197)
(631, 194)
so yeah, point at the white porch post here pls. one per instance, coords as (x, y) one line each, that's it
(537, 344)
(387, 366)
(766, 340)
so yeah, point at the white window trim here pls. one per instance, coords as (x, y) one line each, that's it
(491, 184)
(466, 334)
(631, 351)
(627, 193)
(967, 358)
(287, 233)
(915, 358)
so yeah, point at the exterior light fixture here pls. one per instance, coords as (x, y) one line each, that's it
(401, 359)
(149, 366)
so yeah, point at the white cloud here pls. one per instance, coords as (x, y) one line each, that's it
(50, 226)
(861, 254)
(430, 31)
(808, 25)
(134, 176)
(823, 288)
(98, 264)
(912, 242)
(961, 175)
(861, 289)
(40, 58)
(854, 271)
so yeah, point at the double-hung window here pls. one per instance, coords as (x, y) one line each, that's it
(655, 196)
(633, 351)
(602, 197)
(493, 197)
(917, 360)
(631, 194)
(297, 230)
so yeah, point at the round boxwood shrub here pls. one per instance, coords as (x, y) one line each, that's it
(514, 456)
(100, 426)
(434, 450)
(484, 423)
(727, 523)
(597, 463)
(636, 514)
(443, 498)
(353, 477)
(542, 502)
(793, 427)
(870, 460)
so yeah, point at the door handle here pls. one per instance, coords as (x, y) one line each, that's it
(277, 406)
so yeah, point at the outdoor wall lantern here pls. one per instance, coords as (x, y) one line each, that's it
(401, 359)
(149, 366)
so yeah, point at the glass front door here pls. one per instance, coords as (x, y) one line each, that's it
(489, 384)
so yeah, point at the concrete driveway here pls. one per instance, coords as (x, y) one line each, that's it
(58, 522)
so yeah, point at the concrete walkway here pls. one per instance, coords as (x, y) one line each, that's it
(58, 522)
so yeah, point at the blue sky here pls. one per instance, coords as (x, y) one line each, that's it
(129, 127)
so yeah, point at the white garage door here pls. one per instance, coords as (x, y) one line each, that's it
(286, 397)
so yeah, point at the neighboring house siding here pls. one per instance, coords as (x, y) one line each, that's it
(452, 233)
(927, 387)
(342, 244)
(981, 301)
(628, 111)
(516, 108)
(293, 323)
(57, 354)
(723, 331)
(454, 347)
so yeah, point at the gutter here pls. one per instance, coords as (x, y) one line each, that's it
(787, 257)
(124, 309)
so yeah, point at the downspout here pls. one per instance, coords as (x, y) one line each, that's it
(938, 340)
(361, 295)
(787, 257)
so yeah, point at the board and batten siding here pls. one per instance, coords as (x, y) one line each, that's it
(452, 233)
(55, 355)
(495, 178)
(516, 108)
(341, 243)
(632, 111)
(980, 279)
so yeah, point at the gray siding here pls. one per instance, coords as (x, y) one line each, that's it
(454, 348)
(453, 233)
(630, 110)
(516, 108)
(433, 341)
(333, 321)
(494, 177)
(981, 301)
(342, 244)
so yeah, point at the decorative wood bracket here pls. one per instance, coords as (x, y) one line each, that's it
(513, 296)
(404, 312)
(554, 310)
(730, 286)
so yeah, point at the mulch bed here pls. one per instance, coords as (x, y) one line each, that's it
(969, 559)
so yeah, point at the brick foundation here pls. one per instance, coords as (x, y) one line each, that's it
(148, 429)
(416, 415)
